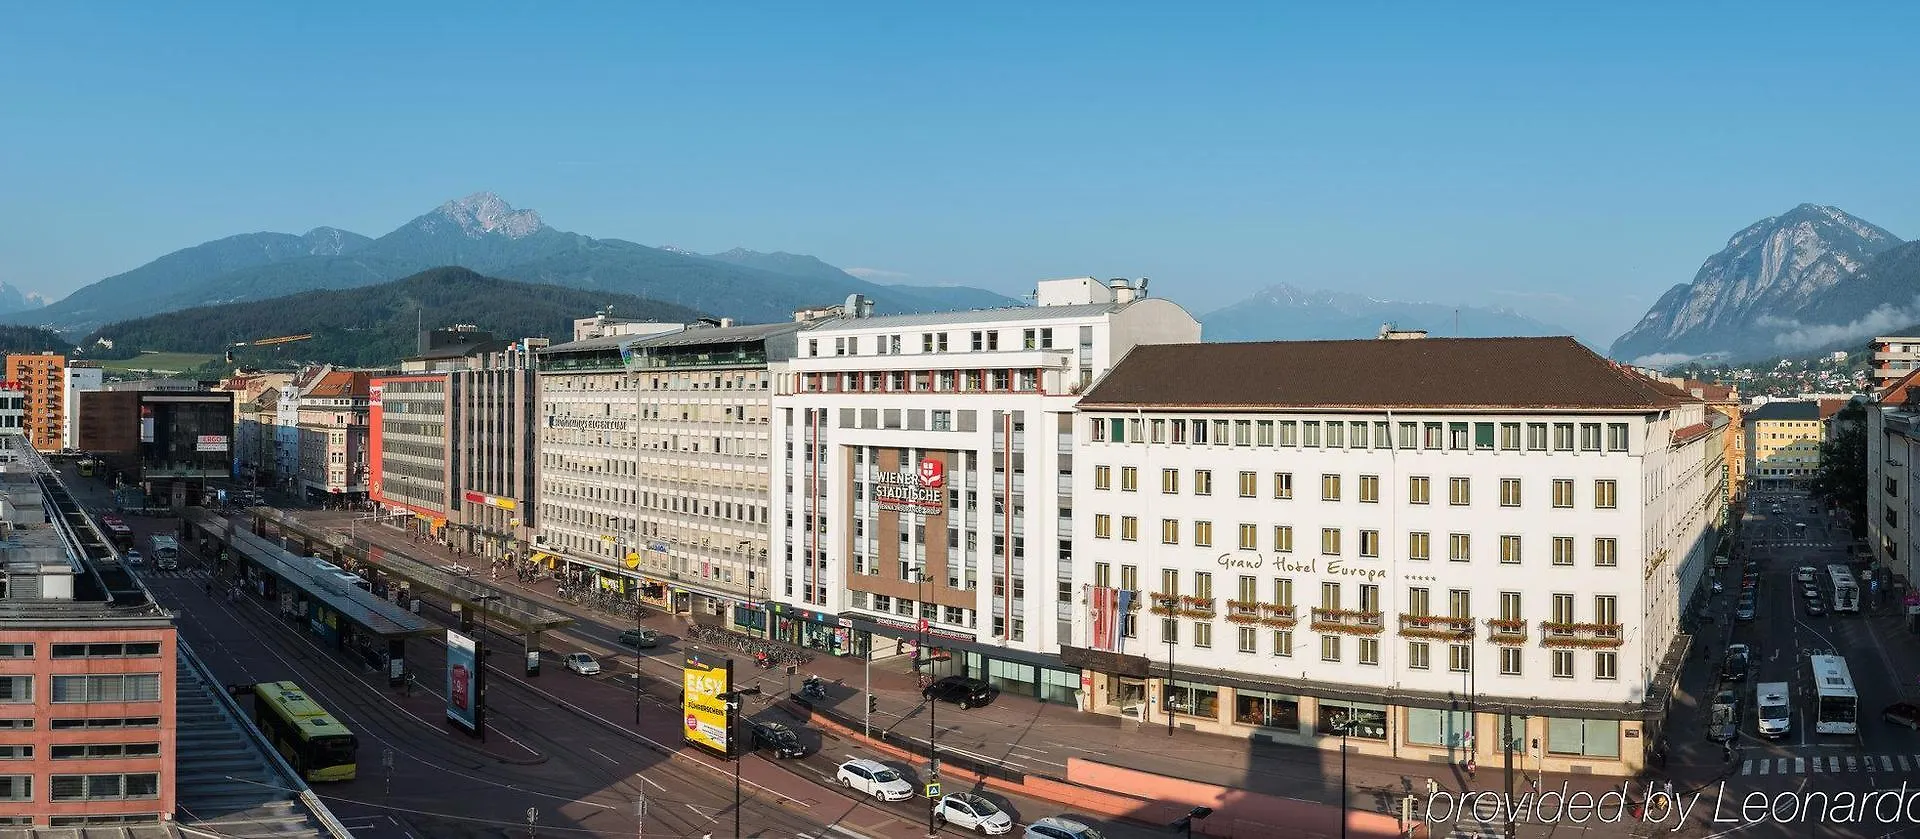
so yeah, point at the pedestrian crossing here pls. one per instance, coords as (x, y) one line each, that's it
(1764, 543)
(1831, 765)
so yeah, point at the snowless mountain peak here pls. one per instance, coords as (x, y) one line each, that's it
(484, 213)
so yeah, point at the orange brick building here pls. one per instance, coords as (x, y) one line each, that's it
(43, 377)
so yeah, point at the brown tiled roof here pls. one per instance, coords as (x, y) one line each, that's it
(1896, 393)
(340, 384)
(1687, 434)
(1424, 373)
(1829, 407)
(1710, 391)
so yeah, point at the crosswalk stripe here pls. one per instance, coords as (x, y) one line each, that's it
(1903, 762)
(1783, 766)
(1886, 764)
(1817, 764)
(1852, 764)
(1799, 766)
(1766, 766)
(1746, 767)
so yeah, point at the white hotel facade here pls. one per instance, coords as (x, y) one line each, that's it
(924, 470)
(1425, 538)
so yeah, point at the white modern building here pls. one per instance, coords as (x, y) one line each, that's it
(1893, 442)
(924, 476)
(671, 507)
(1413, 537)
(82, 376)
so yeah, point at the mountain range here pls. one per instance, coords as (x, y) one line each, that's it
(1813, 278)
(484, 233)
(375, 325)
(1284, 312)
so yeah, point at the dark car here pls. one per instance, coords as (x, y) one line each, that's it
(1745, 612)
(1902, 713)
(1739, 659)
(961, 691)
(1815, 608)
(777, 738)
(1724, 724)
(640, 638)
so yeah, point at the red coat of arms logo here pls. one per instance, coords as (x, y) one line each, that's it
(933, 474)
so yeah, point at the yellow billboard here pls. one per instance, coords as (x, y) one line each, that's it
(703, 711)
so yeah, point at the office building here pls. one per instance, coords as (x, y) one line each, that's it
(923, 475)
(168, 442)
(1783, 442)
(81, 376)
(1277, 540)
(409, 457)
(654, 455)
(43, 376)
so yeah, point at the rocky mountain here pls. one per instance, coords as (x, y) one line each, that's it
(14, 300)
(1762, 287)
(375, 325)
(481, 232)
(1286, 313)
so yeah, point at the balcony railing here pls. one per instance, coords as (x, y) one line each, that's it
(1348, 621)
(1595, 635)
(1437, 627)
(1510, 632)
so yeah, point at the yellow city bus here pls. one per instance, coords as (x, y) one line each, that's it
(316, 744)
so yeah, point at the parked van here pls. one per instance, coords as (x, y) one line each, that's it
(1774, 707)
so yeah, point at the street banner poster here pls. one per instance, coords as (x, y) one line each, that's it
(463, 681)
(146, 423)
(705, 678)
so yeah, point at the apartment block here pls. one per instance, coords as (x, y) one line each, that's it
(43, 377)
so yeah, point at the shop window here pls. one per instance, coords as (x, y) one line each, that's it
(1194, 700)
(1585, 738)
(1435, 727)
(1370, 721)
(1267, 710)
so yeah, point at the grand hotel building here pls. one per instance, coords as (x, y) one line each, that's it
(1417, 537)
(924, 474)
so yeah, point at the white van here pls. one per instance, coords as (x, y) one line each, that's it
(1774, 707)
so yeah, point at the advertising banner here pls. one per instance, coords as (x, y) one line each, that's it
(463, 681)
(146, 423)
(706, 677)
(210, 443)
(923, 491)
(484, 499)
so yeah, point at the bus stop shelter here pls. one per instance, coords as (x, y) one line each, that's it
(339, 613)
(469, 595)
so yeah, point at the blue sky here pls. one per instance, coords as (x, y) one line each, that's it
(1569, 161)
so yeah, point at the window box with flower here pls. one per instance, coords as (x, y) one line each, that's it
(1437, 627)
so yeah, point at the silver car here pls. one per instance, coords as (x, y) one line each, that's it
(1060, 827)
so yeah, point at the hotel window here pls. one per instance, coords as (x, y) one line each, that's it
(1563, 664)
(1419, 546)
(1606, 552)
(1418, 655)
(1606, 494)
(1102, 574)
(1409, 435)
(1562, 610)
(1370, 543)
(1243, 432)
(1329, 648)
(1203, 482)
(1169, 531)
(1169, 631)
(1606, 666)
(1536, 436)
(1129, 479)
(1102, 526)
(1310, 433)
(1510, 605)
(1157, 431)
(1329, 487)
(1219, 432)
(1606, 610)
(1616, 436)
(1247, 589)
(1459, 658)
(1249, 639)
(1509, 436)
(1130, 577)
(1283, 485)
(1589, 436)
(1459, 547)
(1509, 492)
(1169, 582)
(1563, 493)
(1169, 481)
(1563, 550)
(1483, 436)
(1330, 596)
(1357, 432)
(1336, 434)
(1129, 529)
(1203, 634)
(1459, 603)
(1563, 436)
(1199, 432)
(1510, 661)
(1282, 538)
(1283, 642)
(1203, 534)
(1382, 435)
(1283, 592)
(1103, 477)
(1419, 601)
(1263, 433)
(1510, 550)
(1370, 651)
(1330, 541)
(1369, 489)
(1249, 537)
(1459, 491)
(1179, 429)
(1419, 490)
(1289, 433)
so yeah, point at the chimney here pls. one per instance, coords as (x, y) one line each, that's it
(1122, 289)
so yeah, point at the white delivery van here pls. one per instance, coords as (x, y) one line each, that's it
(1774, 706)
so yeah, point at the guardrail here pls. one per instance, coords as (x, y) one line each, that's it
(328, 821)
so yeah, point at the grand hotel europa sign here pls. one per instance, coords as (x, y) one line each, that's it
(922, 491)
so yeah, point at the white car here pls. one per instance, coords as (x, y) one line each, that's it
(966, 810)
(874, 778)
(583, 664)
(1060, 827)
(1804, 573)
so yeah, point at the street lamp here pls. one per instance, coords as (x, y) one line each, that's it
(1344, 726)
(732, 698)
(1167, 700)
(1184, 824)
(480, 643)
(920, 658)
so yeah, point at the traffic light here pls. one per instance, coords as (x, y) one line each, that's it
(873, 704)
